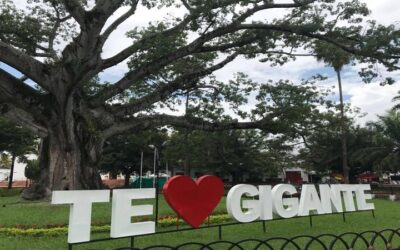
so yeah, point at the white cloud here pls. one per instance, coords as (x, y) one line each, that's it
(372, 98)
(384, 11)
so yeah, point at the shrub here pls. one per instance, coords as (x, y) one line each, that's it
(57, 230)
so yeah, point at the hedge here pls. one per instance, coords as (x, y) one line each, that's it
(166, 221)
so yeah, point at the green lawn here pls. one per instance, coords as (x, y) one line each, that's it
(14, 212)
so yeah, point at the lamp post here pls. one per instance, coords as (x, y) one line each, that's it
(157, 152)
(166, 169)
(141, 169)
(155, 179)
(155, 164)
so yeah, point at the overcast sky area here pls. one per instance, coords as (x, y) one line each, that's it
(372, 98)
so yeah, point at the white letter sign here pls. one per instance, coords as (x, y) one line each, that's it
(361, 197)
(80, 210)
(309, 200)
(242, 204)
(285, 207)
(331, 198)
(233, 203)
(122, 211)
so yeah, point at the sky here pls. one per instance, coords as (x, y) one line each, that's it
(371, 98)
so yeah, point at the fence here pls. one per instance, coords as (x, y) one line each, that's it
(368, 240)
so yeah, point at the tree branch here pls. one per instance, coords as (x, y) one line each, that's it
(328, 37)
(76, 10)
(187, 6)
(280, 52)
(23, 118)
(52, 36)
(107, 7)
(20, 95)
(183, 82)
(124, 54)
(195, 123)
(118, 22)
(193, 47)
(298, 30)
(152, 67)
(27, 65)
(121, 127)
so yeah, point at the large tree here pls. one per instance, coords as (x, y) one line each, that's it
(56, 97)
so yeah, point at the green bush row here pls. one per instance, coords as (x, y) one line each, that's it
(57, 231)
(172, 221)
(37, 232)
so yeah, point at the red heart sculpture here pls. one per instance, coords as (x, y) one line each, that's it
(193, 201)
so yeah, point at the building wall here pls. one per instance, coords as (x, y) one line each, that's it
(303, 172)
(19, 170)
(4, 173)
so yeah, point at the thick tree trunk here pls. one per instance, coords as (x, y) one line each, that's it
(10, 180)
(67, 162)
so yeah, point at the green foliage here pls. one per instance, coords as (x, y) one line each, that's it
(33, 232)
(27, 29)
(396, 99)
(10, 192)
(32, 170)
(15, 139)
(294, 106)
(122, 153)
(167, 221)
(174, 58)
(224, 153)
(386, 212)
(322, 147)
(382, 153)
(5, 160)
(331, 55)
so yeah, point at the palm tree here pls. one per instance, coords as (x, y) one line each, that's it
(384, 151)
(396, 99)
(337, 58)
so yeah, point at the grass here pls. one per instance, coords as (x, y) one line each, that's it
(12, 211)
(16, 212)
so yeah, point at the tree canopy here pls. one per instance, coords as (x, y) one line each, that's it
(58, 45)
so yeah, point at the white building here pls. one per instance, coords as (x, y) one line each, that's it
(4, 173)
(19, 170)
(294, 175)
